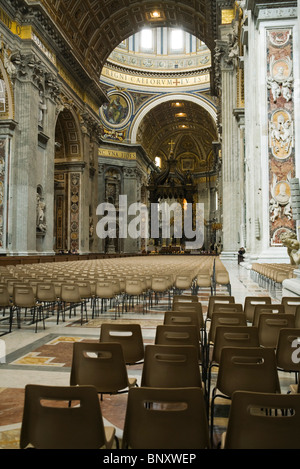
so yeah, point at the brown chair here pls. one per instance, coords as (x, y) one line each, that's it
(178, 335)
(6, 303)
(222, 278)
(129, 336)
(23, 298)
(71, 299)
(159, 418)
(105, 291)
(171, 366)
(204, 280)
(287, 351)
(51, 421)
(259, 309)
(160, 286)
(244, 369)
(190, 307)
(187, 318)
(185, 299)
(46, 297)
(263, 421)
(250, 303)
(269, 326)
(290, 303)
(135, 288)
(230, 336)
(215, 300)
(102, 365)
(221, 318)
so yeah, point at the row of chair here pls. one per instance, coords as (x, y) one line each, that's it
(167, 412)
(271, 275)
(56, 290)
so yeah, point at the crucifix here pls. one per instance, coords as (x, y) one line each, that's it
(172, 144)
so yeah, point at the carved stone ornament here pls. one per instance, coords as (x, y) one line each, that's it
(281, 80)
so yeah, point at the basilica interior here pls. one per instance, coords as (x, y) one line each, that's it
(114, 113)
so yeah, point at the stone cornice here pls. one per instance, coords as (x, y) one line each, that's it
(255, 6)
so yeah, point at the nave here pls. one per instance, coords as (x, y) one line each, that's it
(44, 356)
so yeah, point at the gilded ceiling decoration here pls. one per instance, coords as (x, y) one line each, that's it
(95, 27)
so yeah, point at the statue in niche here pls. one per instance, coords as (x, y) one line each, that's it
(293, 247)
(91, 227)
(42, 109)
(40, 215)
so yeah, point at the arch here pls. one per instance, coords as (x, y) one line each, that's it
(200, 100)
(67, 136)
(118, 22)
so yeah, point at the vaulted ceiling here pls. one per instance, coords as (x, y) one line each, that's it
(181, 124)
(93, 28)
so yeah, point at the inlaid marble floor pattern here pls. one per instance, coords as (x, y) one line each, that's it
(45, 357)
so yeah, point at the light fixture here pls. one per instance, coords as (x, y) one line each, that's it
(180, 114)
(155, 14)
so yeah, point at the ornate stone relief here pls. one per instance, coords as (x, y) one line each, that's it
(280, 82)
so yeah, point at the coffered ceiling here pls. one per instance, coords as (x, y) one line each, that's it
(187, 122)
(93, 28)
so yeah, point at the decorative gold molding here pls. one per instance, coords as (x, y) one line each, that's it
(228, 16)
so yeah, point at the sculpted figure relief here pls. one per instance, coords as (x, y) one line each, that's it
(293, 247)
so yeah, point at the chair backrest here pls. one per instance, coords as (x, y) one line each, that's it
(159, 418)
(183, 282)
(171, 366)
(105, 289)
(260, 309)
(287, 351)
(190, 307)
(185, 299)
(23, 296)
(290, 303)
(45, 292)
(134, 287)
(216, 299)
(247, 369)
(263, 421)
(233, 336)
(159, 283)
(129, 336)
(49, 422)
(269, 326)
(70, 293)
(182, 318)
(178, 335)
(4, 296)
(251, 302)
(84, 289)
(221, 318)
(204, 279)
(222, 277)
(228, 307)
(99, 364)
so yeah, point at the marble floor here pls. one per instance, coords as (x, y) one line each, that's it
(44, 357)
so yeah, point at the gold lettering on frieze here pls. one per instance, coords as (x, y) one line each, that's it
(116, 154)
(155, 82)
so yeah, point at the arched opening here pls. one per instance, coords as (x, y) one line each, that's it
(67, 183)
